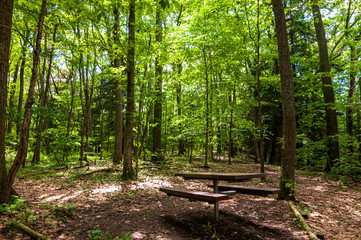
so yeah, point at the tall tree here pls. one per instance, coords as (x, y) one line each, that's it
(128, 171)
(157, 129)
(6, 14)
(43, 102)
(118, 145)
(24, 132)
(288, 161)
(327, 88)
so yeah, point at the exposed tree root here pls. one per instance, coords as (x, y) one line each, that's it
(303, 223)
(28, 230)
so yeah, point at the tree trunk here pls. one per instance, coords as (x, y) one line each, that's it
(258, 74)
(128, 171)
(12, 94)
(287, 181)
(118, 144)
(24, 133)
(157, 129)
(232, 101)
(352, 74)
(21, 87)
(349, 118)
(181, 149)
(327, 88)
(207, 109)
(6, 13)
(44, 99)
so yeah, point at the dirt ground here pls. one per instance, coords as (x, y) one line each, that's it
(92, 207)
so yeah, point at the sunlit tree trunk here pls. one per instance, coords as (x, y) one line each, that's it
(206, 150)
(12, 94)
(43, 102)
(128, 171)
(259, 112)
(327, 88)
(21, 85)
(232, 101)
(157, 129)
(181, 149)
(118, 145)
(287, 181)
(351, 89)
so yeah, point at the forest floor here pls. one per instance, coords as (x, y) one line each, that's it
(71, 204)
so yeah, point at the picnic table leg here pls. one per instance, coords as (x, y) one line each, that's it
(216, 204)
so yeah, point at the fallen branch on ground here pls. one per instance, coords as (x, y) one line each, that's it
(97, 171)
(303, 223)
(28, 231)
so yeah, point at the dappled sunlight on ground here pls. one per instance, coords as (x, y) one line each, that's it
(62, 197)
(151, 183)
(107, 189)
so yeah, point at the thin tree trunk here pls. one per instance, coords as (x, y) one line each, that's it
(327, 88)
(21, 86)
(232, 101)
(128, 171)
(287, 180)
(157, 129)
(44, 99)
(12, 94)
(258, 74)
(349, 111)
(118, 144)
(207, 109)
(352, 74)
(24, 133)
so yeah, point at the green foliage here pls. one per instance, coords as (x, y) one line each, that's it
(15, 204)
(348, 169)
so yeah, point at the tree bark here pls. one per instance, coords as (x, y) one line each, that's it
(327, 88)
(349, 110)
(157, 129)
(287, 181)
(6, 13)
(232, 101)
(181, 149)
(351, 89)
(128, 171)
(207, 109)
(24, 133)
(118, 144)
(43, 102)
(21, 87)
(12, 94)
(258, 75)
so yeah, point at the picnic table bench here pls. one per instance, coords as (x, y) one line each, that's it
(220, 192)
(248, 190)
(209, 197)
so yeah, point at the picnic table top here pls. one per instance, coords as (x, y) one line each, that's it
(221, 176)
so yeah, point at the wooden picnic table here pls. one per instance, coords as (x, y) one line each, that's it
(236, 177)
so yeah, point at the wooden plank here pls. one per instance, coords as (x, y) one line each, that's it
(221, 176)
(248, 190)
(195, 195)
